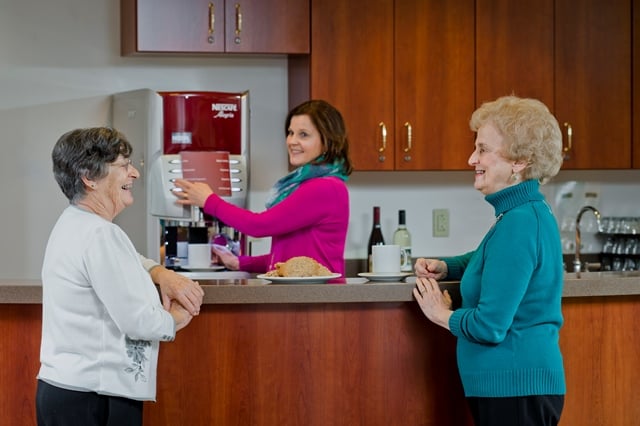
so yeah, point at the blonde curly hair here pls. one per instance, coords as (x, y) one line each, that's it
(531, 134)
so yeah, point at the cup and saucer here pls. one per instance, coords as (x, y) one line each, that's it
(385, 262)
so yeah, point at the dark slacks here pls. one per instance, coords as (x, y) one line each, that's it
(536, 410)
(62, 407)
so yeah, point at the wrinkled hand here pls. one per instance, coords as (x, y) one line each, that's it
(435, 304)
(180, 315)
(192, 193)
(431, 268)
(177, 287)
(226, 257)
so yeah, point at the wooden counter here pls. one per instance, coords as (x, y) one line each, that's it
(339, 355)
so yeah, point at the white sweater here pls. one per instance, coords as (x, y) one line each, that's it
(102, 319)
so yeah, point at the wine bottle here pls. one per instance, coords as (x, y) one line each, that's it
(402, 237)
(375, 238)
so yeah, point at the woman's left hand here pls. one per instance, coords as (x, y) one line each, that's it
(174, 286)
(435, 304)
(192, 193)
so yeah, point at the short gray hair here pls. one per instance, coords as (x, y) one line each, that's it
(86, 153)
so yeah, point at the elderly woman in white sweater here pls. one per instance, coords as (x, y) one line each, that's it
(103, 319)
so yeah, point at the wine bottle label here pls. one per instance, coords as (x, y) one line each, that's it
(406, 262)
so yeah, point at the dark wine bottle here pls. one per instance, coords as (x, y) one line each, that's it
(375, 238)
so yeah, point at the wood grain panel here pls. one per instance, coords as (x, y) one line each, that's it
(593, 81)
(635, 119)
(600, 343)
(514, 49)
(310, 365)
(20, 327)
(340, 364)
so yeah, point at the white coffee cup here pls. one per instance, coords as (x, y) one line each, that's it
(199, 256)
(386, 259)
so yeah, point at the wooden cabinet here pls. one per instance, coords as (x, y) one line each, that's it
(402, 74)
(636, 85)
(214, 26)
(593, 82)
(573, 56)
(514, 49)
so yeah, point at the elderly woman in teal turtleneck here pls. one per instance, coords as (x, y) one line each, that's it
(507, 326)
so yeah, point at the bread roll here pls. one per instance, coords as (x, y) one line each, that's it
(299, 266)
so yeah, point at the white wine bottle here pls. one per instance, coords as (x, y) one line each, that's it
(375, 238)
(402, 237)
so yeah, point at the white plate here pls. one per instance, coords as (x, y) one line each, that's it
(202, 268)
(299, 280)
(388, 277)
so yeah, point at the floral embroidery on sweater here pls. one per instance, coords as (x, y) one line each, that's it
(136, 351)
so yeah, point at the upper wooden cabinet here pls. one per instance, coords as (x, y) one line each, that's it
(214, 26)
(573, 56)
(593, 82)
(402, 74)
(636, 88)
(514, 49)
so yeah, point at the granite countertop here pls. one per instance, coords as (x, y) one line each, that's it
(357, 290)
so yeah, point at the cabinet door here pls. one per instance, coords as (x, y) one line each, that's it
(267, 26)
(351, 66)
(593, 81)
(168, 26)
(434, 83)
(636, 85)
(215, 26)
(514, 50)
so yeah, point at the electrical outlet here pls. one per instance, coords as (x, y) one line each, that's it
(440, 222)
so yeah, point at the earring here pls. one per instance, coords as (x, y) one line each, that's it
(515, 177)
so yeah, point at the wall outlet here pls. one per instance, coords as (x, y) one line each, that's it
(440, 222)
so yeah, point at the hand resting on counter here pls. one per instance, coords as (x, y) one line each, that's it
(174, 286)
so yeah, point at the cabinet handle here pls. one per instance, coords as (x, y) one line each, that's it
(212, 22)
(238, 23)
(407, 148)
(383, 133)
(567, 149)
(407, 125)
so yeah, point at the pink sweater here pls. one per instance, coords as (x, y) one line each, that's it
(312, 221)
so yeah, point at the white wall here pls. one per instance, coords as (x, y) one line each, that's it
(59, 64)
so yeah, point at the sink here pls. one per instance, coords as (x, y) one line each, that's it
(601, 274)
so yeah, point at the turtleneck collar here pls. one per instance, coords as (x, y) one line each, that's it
(513, 196)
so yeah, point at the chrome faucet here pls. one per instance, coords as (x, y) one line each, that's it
(577, 264)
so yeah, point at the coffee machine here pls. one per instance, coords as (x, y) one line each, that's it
(163, 128)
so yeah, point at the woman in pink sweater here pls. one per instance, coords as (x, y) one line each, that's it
(308, 211)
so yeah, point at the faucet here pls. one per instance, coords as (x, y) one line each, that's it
(577, 264)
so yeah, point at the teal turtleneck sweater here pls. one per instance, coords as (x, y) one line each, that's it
(511, 287)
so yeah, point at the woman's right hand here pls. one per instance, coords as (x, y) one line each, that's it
(180, 315)
(431, 268)
(191, 193)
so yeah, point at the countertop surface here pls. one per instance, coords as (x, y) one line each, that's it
(248, 291)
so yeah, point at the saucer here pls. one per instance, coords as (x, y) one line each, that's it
(385, 276)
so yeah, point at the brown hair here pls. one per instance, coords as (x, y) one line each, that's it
(333, 131)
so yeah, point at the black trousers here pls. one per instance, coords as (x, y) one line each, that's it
(536, 410)
(62, 407)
